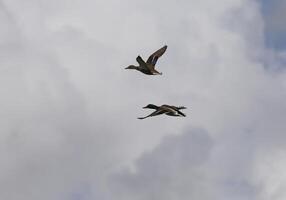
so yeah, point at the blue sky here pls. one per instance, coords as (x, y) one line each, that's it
(275, 23)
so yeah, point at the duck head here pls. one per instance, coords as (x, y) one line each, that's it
(131, 67)
(151, 106)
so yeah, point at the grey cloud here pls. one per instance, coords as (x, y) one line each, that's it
(46, 132)
(173, 170)
(68, 107)
(192, 165)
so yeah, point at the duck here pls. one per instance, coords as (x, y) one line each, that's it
(165, 109)
(148, 67)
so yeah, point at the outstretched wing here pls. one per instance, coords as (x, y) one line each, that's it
(180, 113)
(178, 107)
(157, 112)
(154, 57)
(173, 109)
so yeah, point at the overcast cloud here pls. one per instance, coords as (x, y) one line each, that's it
(68, 107)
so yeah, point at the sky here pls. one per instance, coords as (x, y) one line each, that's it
(274, 23)
(69, 127)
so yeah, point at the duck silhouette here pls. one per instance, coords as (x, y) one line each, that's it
(148, 67)
(165, 109)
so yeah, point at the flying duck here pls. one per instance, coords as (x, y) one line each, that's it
(165, 109)
(149, 66)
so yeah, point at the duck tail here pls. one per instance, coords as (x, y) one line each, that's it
(182, 107)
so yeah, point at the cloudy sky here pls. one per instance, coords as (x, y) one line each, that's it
(69, 127)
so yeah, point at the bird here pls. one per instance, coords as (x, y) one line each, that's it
(148, 67)
(165, 109)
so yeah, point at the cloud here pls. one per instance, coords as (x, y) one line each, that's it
(193, 165)
(273, 183)
(175, 169)
(68, 107)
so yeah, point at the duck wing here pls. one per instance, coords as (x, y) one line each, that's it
(172, 110)
(177, 107)
(180, 113)
(142, 63)
(156, 112)
(154, 57)
(168, 108)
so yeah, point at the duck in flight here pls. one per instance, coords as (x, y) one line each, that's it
(148, 67)
(165, 109)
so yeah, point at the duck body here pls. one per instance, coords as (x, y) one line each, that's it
(140, 69)
(165, 109)
(148, 67)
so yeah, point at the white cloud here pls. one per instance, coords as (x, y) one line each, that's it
(68, 107)
(271, 176)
